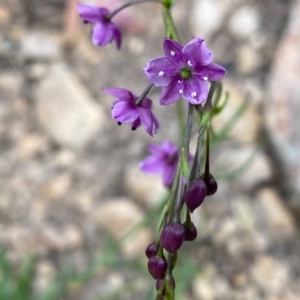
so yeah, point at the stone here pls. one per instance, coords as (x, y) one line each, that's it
(278, 219)
(282, 107)
(248, 60)
(40, 45)
(203, 289)
(204, 24)
(5, 15)
(59, 239)
(207, 16)
(119, 216)
(246, 163)
(270, 274)
(45, 272)
(148, 189)
(246, 128)
(57, 188)
(65, 109)
(244, 22)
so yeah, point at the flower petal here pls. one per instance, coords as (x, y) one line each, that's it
(124, 112)
(120, 94)
(136, 123)
(146, 103)
(173, 49)
(169, 148)
(148, 120)
(197, 51)
(168, 174)
(102, 34)
(156, 150)
(161, 70)
(116, 34)
(151, 165)
(92, 14)
(172, 92)
(195, 90)
(212, 72)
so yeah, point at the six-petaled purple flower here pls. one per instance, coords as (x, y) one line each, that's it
(104, 30)
(126, 110)
(184, 71)
(164, 159)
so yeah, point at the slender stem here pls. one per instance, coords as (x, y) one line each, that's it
(174, 190)
(170, 28)
(116, 11)
(187, 134)
(144, 94)
(188, 218)
(207, 154)
(180, 116)
(195, 172)
(186, 142)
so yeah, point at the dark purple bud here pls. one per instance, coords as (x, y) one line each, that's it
(211, 184)
(157, 267)
(195, 194)
(190, 232)
(151, 250)
(172, 237)
(161, 281)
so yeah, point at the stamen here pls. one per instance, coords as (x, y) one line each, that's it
(189, 63)
(180, 92)
(194, 94)
(161, 73)
(180, 81)
(205, 78)
(172, 53)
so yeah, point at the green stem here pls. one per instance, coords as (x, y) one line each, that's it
(206, 172)
(116, 11)
(170, 28)
(180, 116)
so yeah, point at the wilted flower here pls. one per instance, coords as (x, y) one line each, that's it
(184, 71)
(125, 110)
(104, 30)
(164, 159)
(172, 237)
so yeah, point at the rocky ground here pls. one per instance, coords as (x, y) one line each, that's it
(69, 175)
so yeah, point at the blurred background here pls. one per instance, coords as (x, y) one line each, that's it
(76, 214)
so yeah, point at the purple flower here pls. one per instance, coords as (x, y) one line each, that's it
(164, 159)
(184, 71)
(104, 30)
(125, 110)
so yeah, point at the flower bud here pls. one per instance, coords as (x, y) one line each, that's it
(190, 232)
(151, 250)
(211, 184)
(195, 194)
(157, 267)
(172, 237)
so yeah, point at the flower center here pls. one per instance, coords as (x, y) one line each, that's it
(185, 73)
